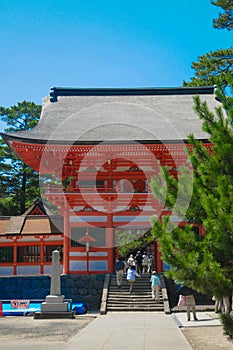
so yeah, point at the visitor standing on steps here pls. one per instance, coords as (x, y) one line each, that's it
(131, 261)
(155, 286)
(150, 264)
(145, 262)
(138, 260)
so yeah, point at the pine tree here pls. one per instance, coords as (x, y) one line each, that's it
(202, 262)
(225, 19)
(19, 184)
(213, 68)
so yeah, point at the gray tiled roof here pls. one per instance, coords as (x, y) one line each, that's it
(94, 115)
(15, 225)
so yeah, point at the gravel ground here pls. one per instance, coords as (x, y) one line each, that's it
(207, 338)
(27, 328)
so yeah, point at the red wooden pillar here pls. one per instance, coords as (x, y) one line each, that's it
(66, 241)
(159, 260)
(110, 241)
(109, 230)
(15, 257)
(41, 255)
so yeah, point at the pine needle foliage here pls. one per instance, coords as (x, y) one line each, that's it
(202, 262)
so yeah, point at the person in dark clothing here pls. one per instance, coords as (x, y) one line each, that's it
(138, 260)
(190, 303)
(120, 269)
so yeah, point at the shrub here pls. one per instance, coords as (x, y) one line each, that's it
(227, 322)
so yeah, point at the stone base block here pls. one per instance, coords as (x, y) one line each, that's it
(50, 315)
(54, 299)
(54, 307)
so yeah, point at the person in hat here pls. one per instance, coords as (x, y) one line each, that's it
(155, 286)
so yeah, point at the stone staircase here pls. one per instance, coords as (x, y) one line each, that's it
(119, 299)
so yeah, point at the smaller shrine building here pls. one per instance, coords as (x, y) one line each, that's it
(27, 241)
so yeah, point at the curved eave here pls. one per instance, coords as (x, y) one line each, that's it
(9, 138)
(63, 159)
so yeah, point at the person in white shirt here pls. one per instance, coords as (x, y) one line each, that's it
(145, 263)
(131, 261)
(131, 276)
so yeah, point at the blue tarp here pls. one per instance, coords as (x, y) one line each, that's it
(79, 308)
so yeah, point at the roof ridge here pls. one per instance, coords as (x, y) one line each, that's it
(78, 91)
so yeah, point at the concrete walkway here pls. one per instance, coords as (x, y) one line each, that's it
(129, 331)
(209, 318)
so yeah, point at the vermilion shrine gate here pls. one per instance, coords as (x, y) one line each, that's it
(96, 151)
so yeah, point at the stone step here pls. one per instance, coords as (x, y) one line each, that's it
(119, 299)
(133, 302)
(138, 282)
(138, 279)
(136, 286)
(126, 290)
(132, 297)
(152, 302)
(126, 284)
(142, 279)
(135, 308)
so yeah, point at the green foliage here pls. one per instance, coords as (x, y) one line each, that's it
(227, 322)
(225, 19)
(213, 68)
(128, 243)
(23, 116)
(204, 263)
(216, 68)
(203, 194)
(177, 196)
(19, 184)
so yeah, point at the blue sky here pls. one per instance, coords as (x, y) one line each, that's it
(101, 43)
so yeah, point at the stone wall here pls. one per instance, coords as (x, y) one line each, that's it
(79, 288)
